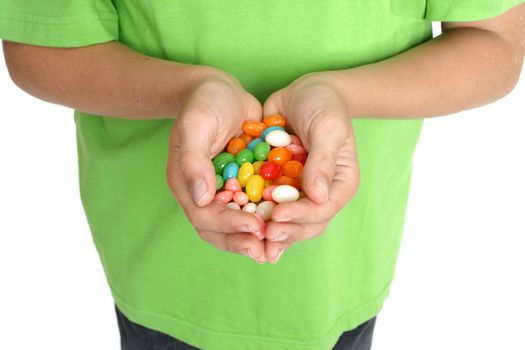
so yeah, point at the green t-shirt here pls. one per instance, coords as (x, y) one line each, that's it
(161, 274)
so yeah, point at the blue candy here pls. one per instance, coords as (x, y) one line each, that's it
(269, 130)
(230, 171)
(254, 143)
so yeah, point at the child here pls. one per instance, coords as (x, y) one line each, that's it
(157, 80)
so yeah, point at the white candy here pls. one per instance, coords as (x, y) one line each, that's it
(285, 193)
(233, 205)
(250, 207)
(278, 138)
(265, 209)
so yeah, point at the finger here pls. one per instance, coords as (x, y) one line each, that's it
(238, 243)
(291, 232)
(214, 216)
(254, 108)
(191, 151)
(320, 165)
(218, 217)
(274, 104)
(345, 183)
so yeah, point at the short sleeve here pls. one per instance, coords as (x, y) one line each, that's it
(452, 10)
(58, 23)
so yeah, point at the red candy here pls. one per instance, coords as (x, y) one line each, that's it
(269, 170)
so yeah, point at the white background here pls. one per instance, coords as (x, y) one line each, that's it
(460, 275)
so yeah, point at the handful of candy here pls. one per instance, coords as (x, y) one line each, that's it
(260, 168)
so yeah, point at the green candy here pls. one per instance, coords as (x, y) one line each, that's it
(244, 155)
(261, 151)
(221, 160)
(219, 182)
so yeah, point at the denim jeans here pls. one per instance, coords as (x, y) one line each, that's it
(136, 337)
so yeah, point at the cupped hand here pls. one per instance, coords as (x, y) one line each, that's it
(316, 112)
(211, 114)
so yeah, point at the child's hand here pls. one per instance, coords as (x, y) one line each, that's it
(318, 115)
(211, 114)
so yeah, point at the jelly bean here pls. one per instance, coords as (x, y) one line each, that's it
(230, 171)
(233, 205)
(274, 120)
(240, 198)
(292, 168)
(254, 188)
(296, 140)
(254, 143)
(221, 160)
(233, 185)
(301, 157)
(257, 166)
(261, 151)
(219, 182)
(280, 155)
(285, 193)
(296, 149)
(278, 138)
(244, 155)
(253, 128)
(246, 137)
(269, 130)
(235, 145)
(250, 207)
(287, 180)
(267, 183)
(245, 172)
(265, 209)
(267, 192)
(224, 197)
(270, 171)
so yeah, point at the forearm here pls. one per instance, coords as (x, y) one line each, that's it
(461, 69)
(106, 79)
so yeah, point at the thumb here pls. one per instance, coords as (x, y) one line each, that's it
(192, 156)
(274, 104)
(320, 165)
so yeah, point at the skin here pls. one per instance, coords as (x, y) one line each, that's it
(479, 62)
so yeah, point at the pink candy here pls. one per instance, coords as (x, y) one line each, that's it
(233, 185)
(267, 193)
(240, 198)
(224, 197)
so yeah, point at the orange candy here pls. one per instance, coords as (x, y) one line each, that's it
(292, 168)
(253, 128)
(287, 180)
(279, 155)
(235, 145)
(246, 137)
(274, 120)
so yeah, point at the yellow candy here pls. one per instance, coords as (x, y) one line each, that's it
(245, 172)
(254, 188)
(257, 166)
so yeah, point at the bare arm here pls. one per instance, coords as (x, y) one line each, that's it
(469, 65)
(105, 79)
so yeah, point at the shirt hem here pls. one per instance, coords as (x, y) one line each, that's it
(216, 340)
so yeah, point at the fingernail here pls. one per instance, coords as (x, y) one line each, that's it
(322, 186)
(282, 236)
(259, 235)
(200, 192)
(258, 259)
(247, 228)
(276, 258)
